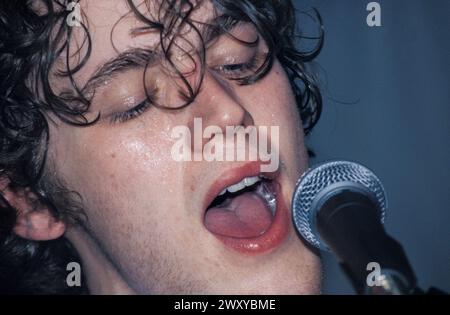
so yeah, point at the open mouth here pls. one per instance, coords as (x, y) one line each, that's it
(243, 210)
(246, 211)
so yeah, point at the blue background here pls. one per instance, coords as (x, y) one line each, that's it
(387, 105)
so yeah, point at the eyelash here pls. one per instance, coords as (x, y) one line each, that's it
(242, 68)
(131, 113)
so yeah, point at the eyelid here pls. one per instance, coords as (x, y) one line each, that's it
(129, 102)
(129, 107)
(131, 113)
(250, 65)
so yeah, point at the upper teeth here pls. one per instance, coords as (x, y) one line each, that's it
(246, 182)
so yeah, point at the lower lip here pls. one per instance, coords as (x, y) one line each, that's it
(271, 239)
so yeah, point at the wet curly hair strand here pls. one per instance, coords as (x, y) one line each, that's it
(33, 37)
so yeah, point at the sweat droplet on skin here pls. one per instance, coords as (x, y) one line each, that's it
(129, 102)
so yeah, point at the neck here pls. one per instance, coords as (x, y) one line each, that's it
(101, 276)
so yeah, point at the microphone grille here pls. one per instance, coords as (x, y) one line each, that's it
(317, 179)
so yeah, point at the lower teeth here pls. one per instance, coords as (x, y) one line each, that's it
(264, 191)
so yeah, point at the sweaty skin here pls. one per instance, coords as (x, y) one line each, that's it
(145, 210)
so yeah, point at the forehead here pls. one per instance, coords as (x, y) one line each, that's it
(113, 28)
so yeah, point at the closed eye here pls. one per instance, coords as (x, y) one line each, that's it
(131, 113)
(239, 71)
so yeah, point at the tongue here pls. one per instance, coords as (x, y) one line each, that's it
(246, 216)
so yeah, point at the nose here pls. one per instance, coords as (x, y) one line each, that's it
(218, 103)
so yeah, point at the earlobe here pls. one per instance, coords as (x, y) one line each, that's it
(34, 220)
(39, 226)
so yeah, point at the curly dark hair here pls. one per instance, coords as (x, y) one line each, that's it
(33, 37)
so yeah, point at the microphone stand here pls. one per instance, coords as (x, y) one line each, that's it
(397, 279)
(353, 231)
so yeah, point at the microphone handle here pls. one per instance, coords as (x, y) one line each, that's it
(350, 224)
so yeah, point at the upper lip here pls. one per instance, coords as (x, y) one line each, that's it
(233, 176)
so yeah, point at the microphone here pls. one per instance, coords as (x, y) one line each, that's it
(340, 206)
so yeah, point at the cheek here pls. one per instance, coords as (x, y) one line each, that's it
(127, 181)
(272, 103)
(271, 100)
(115, 171)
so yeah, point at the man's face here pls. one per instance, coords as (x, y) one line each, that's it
(147, 211)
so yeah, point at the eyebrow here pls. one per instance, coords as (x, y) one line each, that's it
(130, 59)
(136, 58)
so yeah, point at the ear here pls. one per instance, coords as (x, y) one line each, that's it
(39, 226)
(34, 220)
